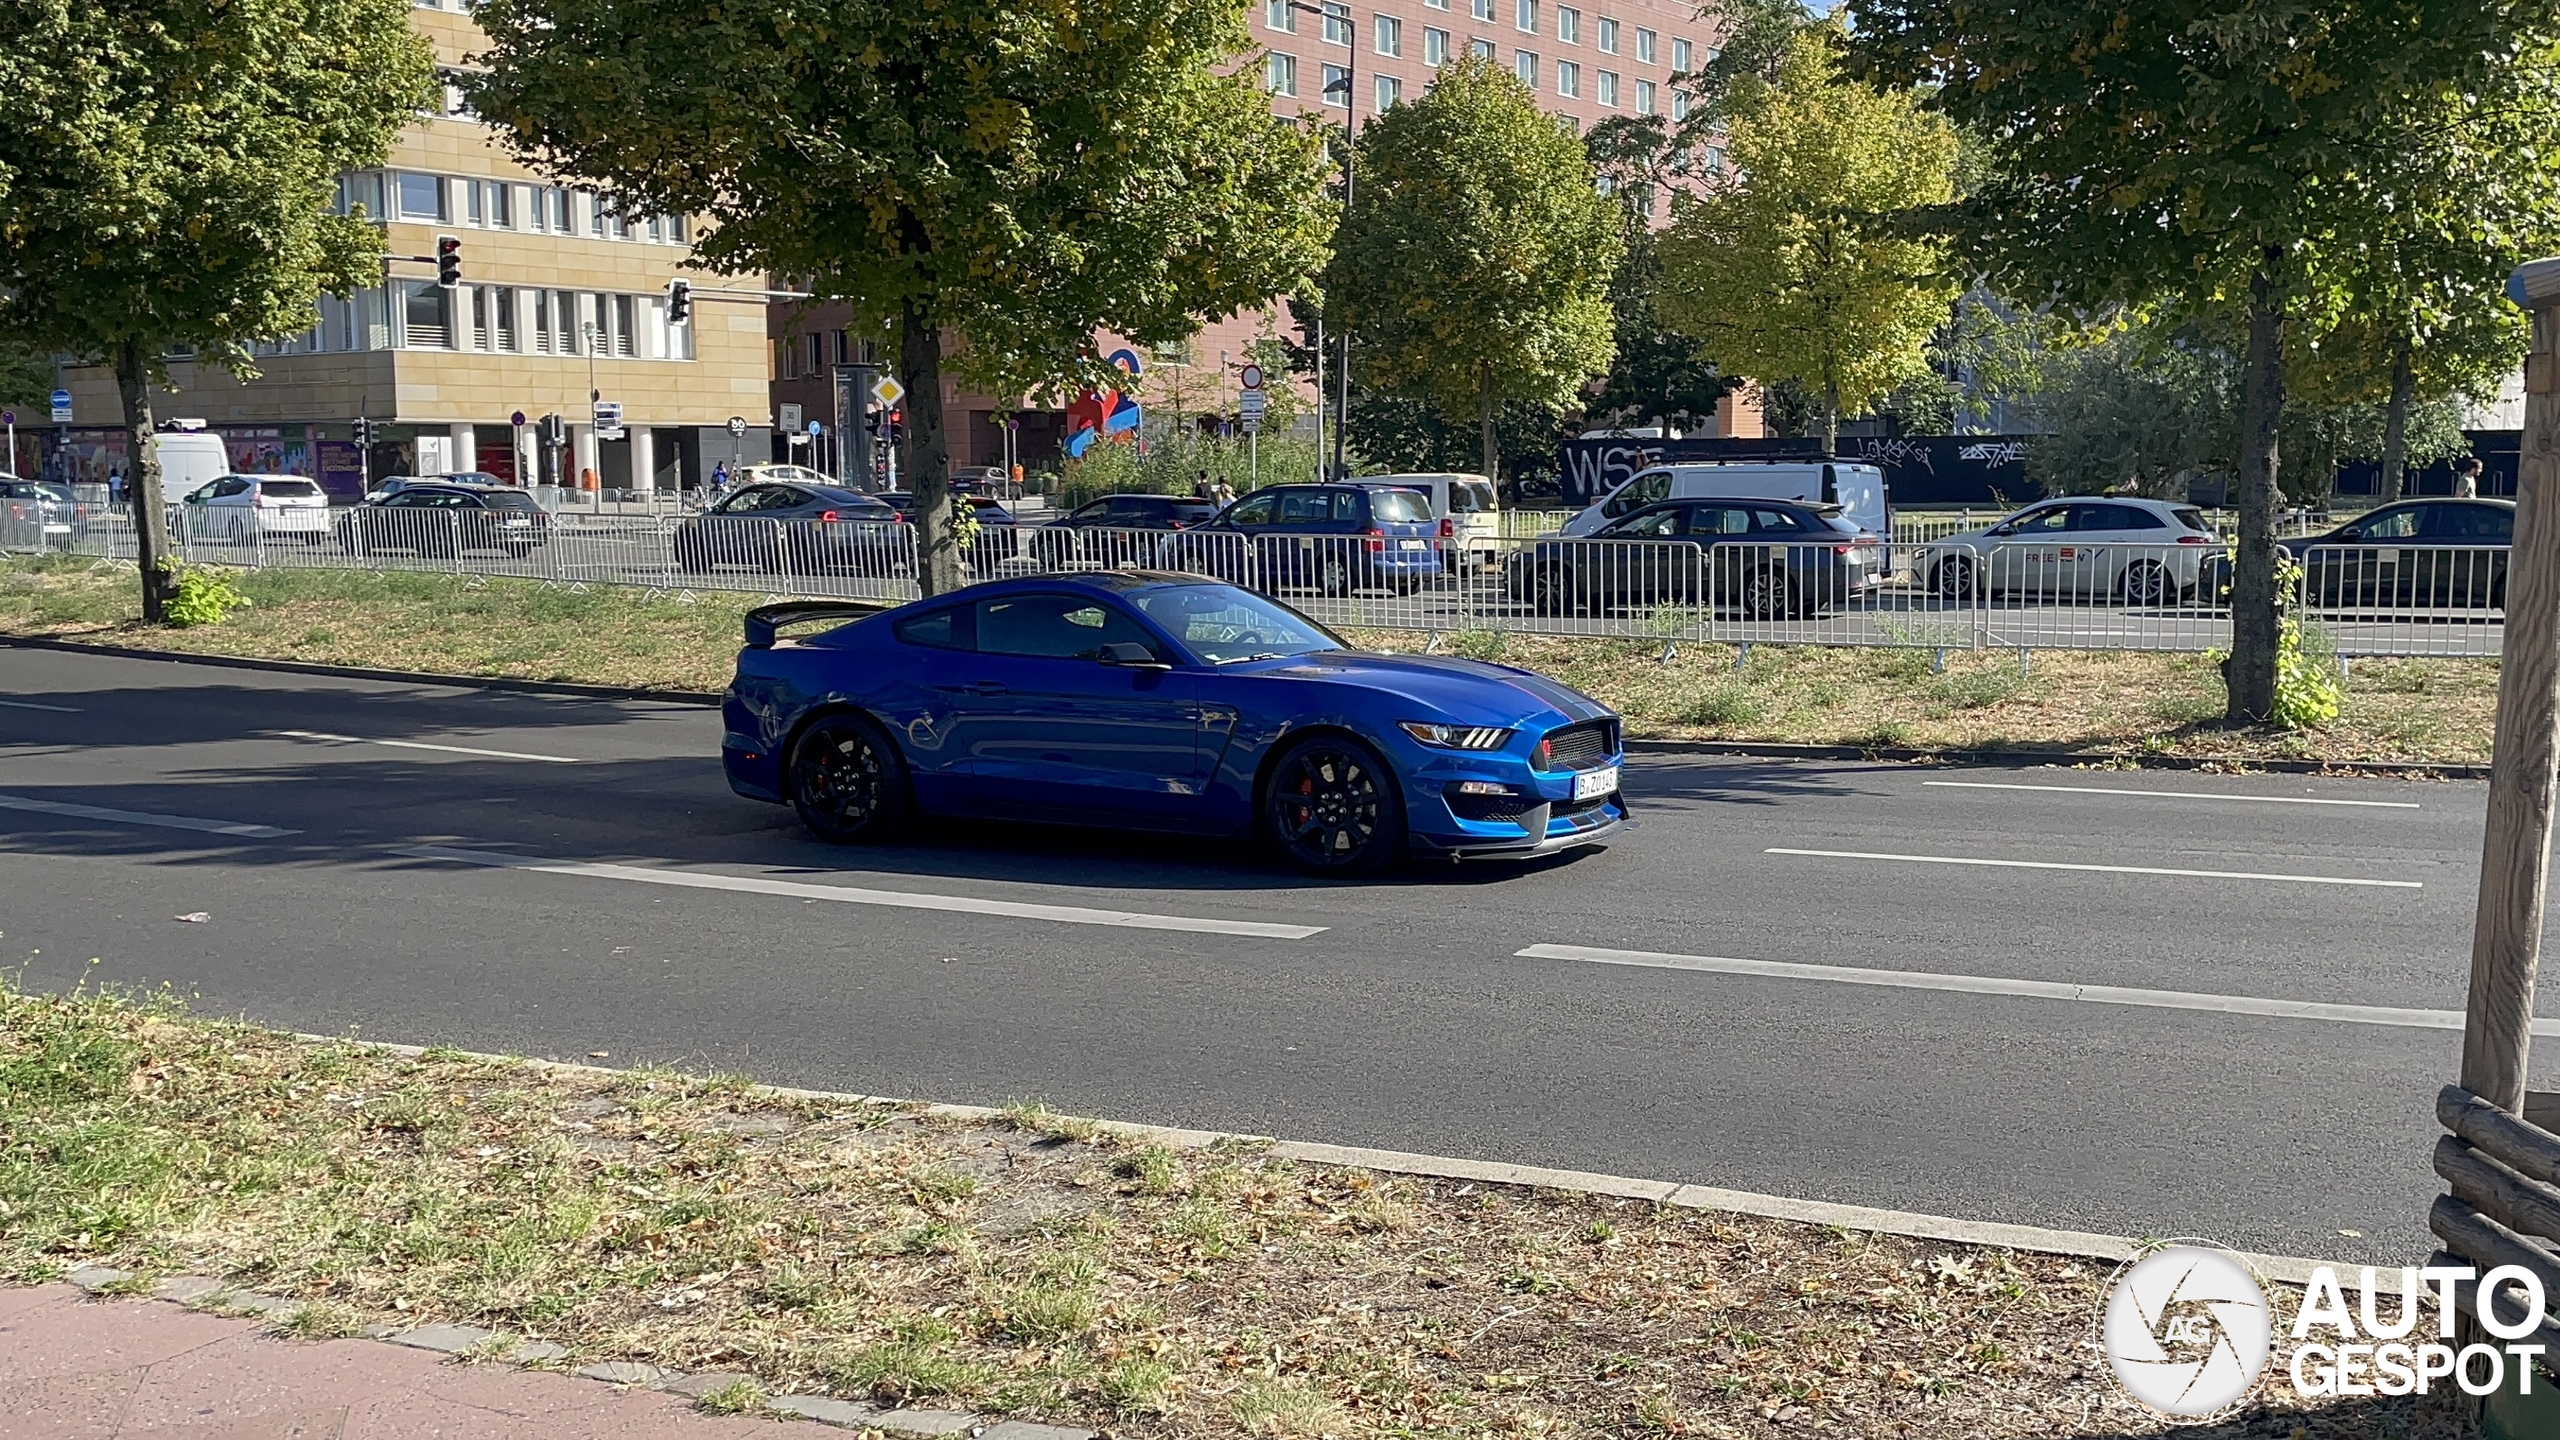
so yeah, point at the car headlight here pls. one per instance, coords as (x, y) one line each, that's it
(1458, 737)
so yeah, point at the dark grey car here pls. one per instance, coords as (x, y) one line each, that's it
(799, 528)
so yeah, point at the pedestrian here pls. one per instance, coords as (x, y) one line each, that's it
(1222, 494)
(1200, 486)
(2466, 477)
(719, 477)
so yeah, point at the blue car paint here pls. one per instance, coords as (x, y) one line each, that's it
(1279, 561)
(1180, 750)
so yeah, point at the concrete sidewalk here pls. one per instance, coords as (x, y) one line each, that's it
(74, 1368)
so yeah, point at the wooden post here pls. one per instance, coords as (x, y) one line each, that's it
(2515, 852)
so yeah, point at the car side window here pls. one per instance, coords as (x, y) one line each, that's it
(2472, 522)
(1651, 525)
(943, 629)
(223, 489)
(1056, 627)
(1774, 522)
(2043, 522)
(2115, 517)
(1305, 507)
(1255, 510)
(1091, 510)
(2399, 524)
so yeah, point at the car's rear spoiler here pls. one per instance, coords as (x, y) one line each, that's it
(765, 621)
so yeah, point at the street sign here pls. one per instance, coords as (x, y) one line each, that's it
(61, 407)
(1253, 425)
(887, 390)
(608, 419)
(516, 419)
(790, 418)
(8, 417)
(1250, 405)
(737, 425)
(1250, 376)
(816, 429)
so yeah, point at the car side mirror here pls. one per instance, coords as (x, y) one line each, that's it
(1130, 655)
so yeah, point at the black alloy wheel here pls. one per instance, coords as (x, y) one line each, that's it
(1332, 809)
(847, 782)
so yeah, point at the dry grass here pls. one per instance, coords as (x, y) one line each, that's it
(2078, 702)
(1013, 1264)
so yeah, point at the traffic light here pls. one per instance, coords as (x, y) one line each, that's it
(364, 433)
(896, 429)
(679, 301)
(448, 260)
(555, 430)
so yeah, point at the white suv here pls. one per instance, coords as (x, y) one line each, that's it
(253, 507)
(2096, 547)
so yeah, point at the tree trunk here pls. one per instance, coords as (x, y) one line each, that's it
(1491, 442)
(928, 455)
(151, 547)
(1830, 419)
(2395, 421)
(2249, 676)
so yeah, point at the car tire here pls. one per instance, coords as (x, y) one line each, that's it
(847, 781)
(1552, 591)
(1333, 576)
(1331, 807)
(1767, 594)
(1953, 579)
(2148, 584)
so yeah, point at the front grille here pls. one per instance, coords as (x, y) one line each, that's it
(1578, 747)
(1494, 809)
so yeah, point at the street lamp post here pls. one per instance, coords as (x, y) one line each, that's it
(1350, 135)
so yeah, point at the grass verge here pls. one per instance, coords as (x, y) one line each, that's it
(2075, 703)
(1020, 1264)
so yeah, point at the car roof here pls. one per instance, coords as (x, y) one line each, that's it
(1814, 505)
(1099, 582)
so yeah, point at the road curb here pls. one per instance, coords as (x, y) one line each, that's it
(2030, 759)
(2036, 1239)
(364, 672)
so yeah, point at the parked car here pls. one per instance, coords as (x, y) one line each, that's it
(990, 512)
(239, 508)
(1145, 700)
(2433, 552)
(1467, 507)
(804, 527)
(1859, 490)
(1114, 530)
(428, 518)
(778, 475)
(1331, 538)
(1769, 559)
(2141, 552)
(38, 513)
(190, 459)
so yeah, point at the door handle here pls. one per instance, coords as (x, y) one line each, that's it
(972, 687)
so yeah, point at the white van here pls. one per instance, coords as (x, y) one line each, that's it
(1467, 505)
(189, 461)
(1858, 490)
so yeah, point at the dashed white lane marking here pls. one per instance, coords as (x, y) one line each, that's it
(143, 817)
(2101, 869)
(849, 895)
(31, 705)
(2176, 794)
(423, 745)
(2031, 989)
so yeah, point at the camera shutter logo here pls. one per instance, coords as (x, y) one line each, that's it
(2187, 1330)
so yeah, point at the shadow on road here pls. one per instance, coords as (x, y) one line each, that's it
(2442, 1415)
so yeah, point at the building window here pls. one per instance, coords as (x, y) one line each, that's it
(499, 197)
(1337, 22)
(1608, 37)
(509, 335)
(1390, 93)
(1436, 4)
(1280, 74)
(1435, 46)
(1337, 85)
(560, 209)
(1390, 36)
(1715, 159)
(564, 322)
(426, 310)
(1481, 49)
(361, 190)
(1604, 88)
(1568, 79)
(1525, 65)
(1679, 103)
(1276, 15)
(1481, 9)
(1644, 97)
(679, 229)
(421, 196)
(1680, 55)
(1568, 25)
(1644, 45)
(1525, 16)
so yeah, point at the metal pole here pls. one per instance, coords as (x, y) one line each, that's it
(2515, 851)
(1350, 144)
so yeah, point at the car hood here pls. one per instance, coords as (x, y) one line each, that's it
(1443, 687)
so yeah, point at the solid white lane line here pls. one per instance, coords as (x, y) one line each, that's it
(143, 817)
(2033, 989)
(2175, 794)
(31, 705)
(423, 745)
(899, 899)
(2102, 869)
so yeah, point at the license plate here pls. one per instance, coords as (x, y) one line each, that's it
(1413, 544)
(1592, 784)
(57, 529)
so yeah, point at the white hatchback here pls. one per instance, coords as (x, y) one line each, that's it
(259, 507)
(2093, 547)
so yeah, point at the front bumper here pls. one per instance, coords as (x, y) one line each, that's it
(1591, 827)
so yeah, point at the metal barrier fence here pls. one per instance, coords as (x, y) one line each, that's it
(2366, 601)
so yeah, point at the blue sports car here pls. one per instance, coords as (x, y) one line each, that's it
(1154, 701)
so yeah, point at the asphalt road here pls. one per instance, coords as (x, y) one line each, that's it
(1177, 983)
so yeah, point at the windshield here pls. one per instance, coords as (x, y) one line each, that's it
(509, 500)
(1399, 507)
(1222, 624)
(60, 494)
(298, 489)
(1470, 497)
(2193, 519)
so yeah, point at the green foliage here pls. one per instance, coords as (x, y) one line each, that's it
(1475, 267)
(1172, 465)
(2308, 687)
(205, 596)
(167, 167)
(1656, 374)
(1796, 266)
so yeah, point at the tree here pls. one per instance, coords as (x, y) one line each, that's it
(2191, 149)
(1657, 373)
(1017, 173)
(166, 175)
(1476, 267)
(1796, 266)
